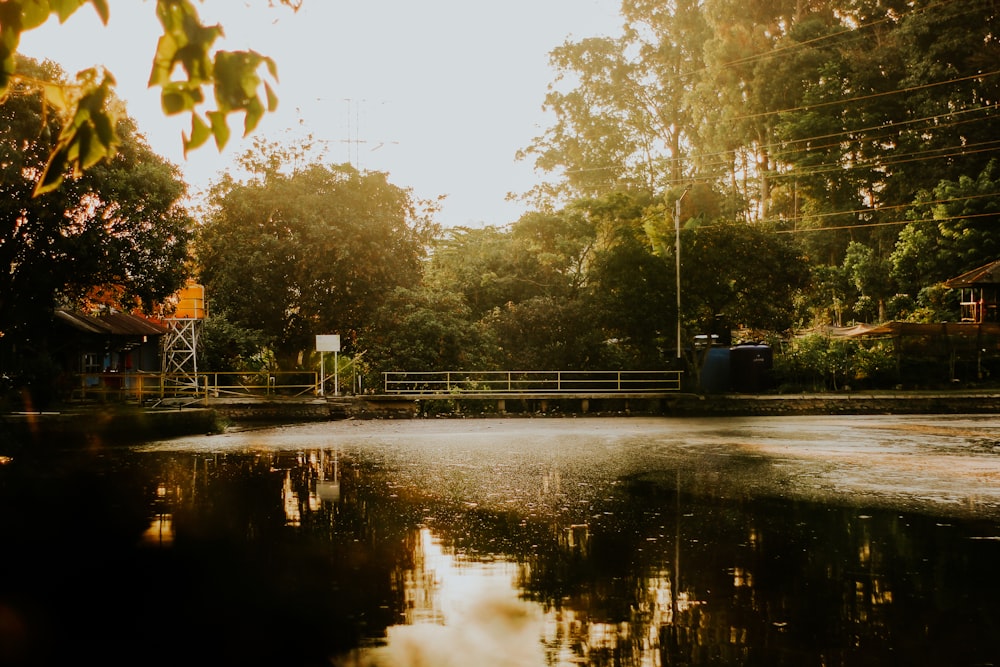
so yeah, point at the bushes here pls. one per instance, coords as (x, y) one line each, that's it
(822, 363)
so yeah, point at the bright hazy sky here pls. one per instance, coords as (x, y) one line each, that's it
(438, 93)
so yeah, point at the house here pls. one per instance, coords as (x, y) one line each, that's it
(967, 350)
(108, 351)
(980, 293)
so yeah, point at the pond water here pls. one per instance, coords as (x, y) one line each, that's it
(516, 542)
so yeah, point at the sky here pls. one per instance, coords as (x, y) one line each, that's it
(440, 94)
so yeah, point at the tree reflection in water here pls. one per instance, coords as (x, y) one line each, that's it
(324, 556)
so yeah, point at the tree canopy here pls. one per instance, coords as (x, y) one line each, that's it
(840, 123)
(296, 251)
(118, 227)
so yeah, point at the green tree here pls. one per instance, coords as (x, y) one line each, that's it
(423, 329)
(619, 103)
(629, 288)
(299, 248)
(749, 274)
(545, 333)
(819, 363)
(185, 64)
(542, 254)
(746, 273)
(892, 98)
(955, 230)
(488, 267)
(226, 347)
(118, 226)
(870, 275)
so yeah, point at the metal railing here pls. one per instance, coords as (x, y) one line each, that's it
(145, 387)
(531, 382)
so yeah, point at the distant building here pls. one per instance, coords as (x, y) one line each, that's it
(104, 350)
(980, 293)
(968, 350)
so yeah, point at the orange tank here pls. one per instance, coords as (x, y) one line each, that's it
(190, 303)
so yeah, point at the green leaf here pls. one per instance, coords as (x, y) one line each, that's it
(163, 61)
(101, 6)
(173, 101)
(52, 176)
(55, 96)
(254, 112)
(33, 14)
(180, 97)
(87, 139)
(65, 8)
(86, 150)
(272, 99)
(104, 127)
(272, 68)
(200, 132)
(219, 128)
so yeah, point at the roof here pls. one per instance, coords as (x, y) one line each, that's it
(112, 324)
(838, 332)
(984, 275)
(927, 329)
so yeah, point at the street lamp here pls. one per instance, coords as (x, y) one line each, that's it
(677, 261)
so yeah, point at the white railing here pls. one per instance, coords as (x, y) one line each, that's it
(155, 386)
(531, 382)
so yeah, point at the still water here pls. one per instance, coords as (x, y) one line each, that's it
(520, 542)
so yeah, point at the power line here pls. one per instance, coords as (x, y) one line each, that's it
(860, 225)
(870, 96)
(896, 207)
(895, 18)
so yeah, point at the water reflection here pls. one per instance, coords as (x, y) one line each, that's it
(323, 555)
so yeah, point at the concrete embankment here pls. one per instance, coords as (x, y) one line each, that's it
(834, 404)
(104, 425)
(389, 407)
(99, 425)
(116, 424)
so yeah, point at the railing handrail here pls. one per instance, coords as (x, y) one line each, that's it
(144, 385)
(531, 381)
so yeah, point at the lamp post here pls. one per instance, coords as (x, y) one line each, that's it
(677, 261)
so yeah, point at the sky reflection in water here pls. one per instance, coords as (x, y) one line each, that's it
(502, 543)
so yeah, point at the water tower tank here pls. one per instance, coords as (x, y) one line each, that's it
(190, 303)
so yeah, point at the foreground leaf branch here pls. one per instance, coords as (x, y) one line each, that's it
(185, 65)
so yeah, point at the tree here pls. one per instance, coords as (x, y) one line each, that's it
(89, 131)
(750, 274)
(118, 226)
(488, 267)
(812, 115)
(299, 248)
(870, 275)
(424, 329)
(629, 288)
(621, 117)
(542, 254)
(955, 230)
(545, 333)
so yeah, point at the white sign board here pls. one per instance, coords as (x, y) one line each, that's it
(328, 343)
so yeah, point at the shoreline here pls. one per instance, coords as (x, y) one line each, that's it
(107, 424)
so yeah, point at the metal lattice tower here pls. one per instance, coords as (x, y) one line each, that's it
(180, 345)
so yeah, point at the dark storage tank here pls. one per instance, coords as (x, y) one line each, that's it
(715, 372)
(750, 367)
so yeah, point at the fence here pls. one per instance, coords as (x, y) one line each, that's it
(531, 382)
(145, 387)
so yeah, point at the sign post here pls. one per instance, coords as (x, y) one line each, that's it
(324, 344)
